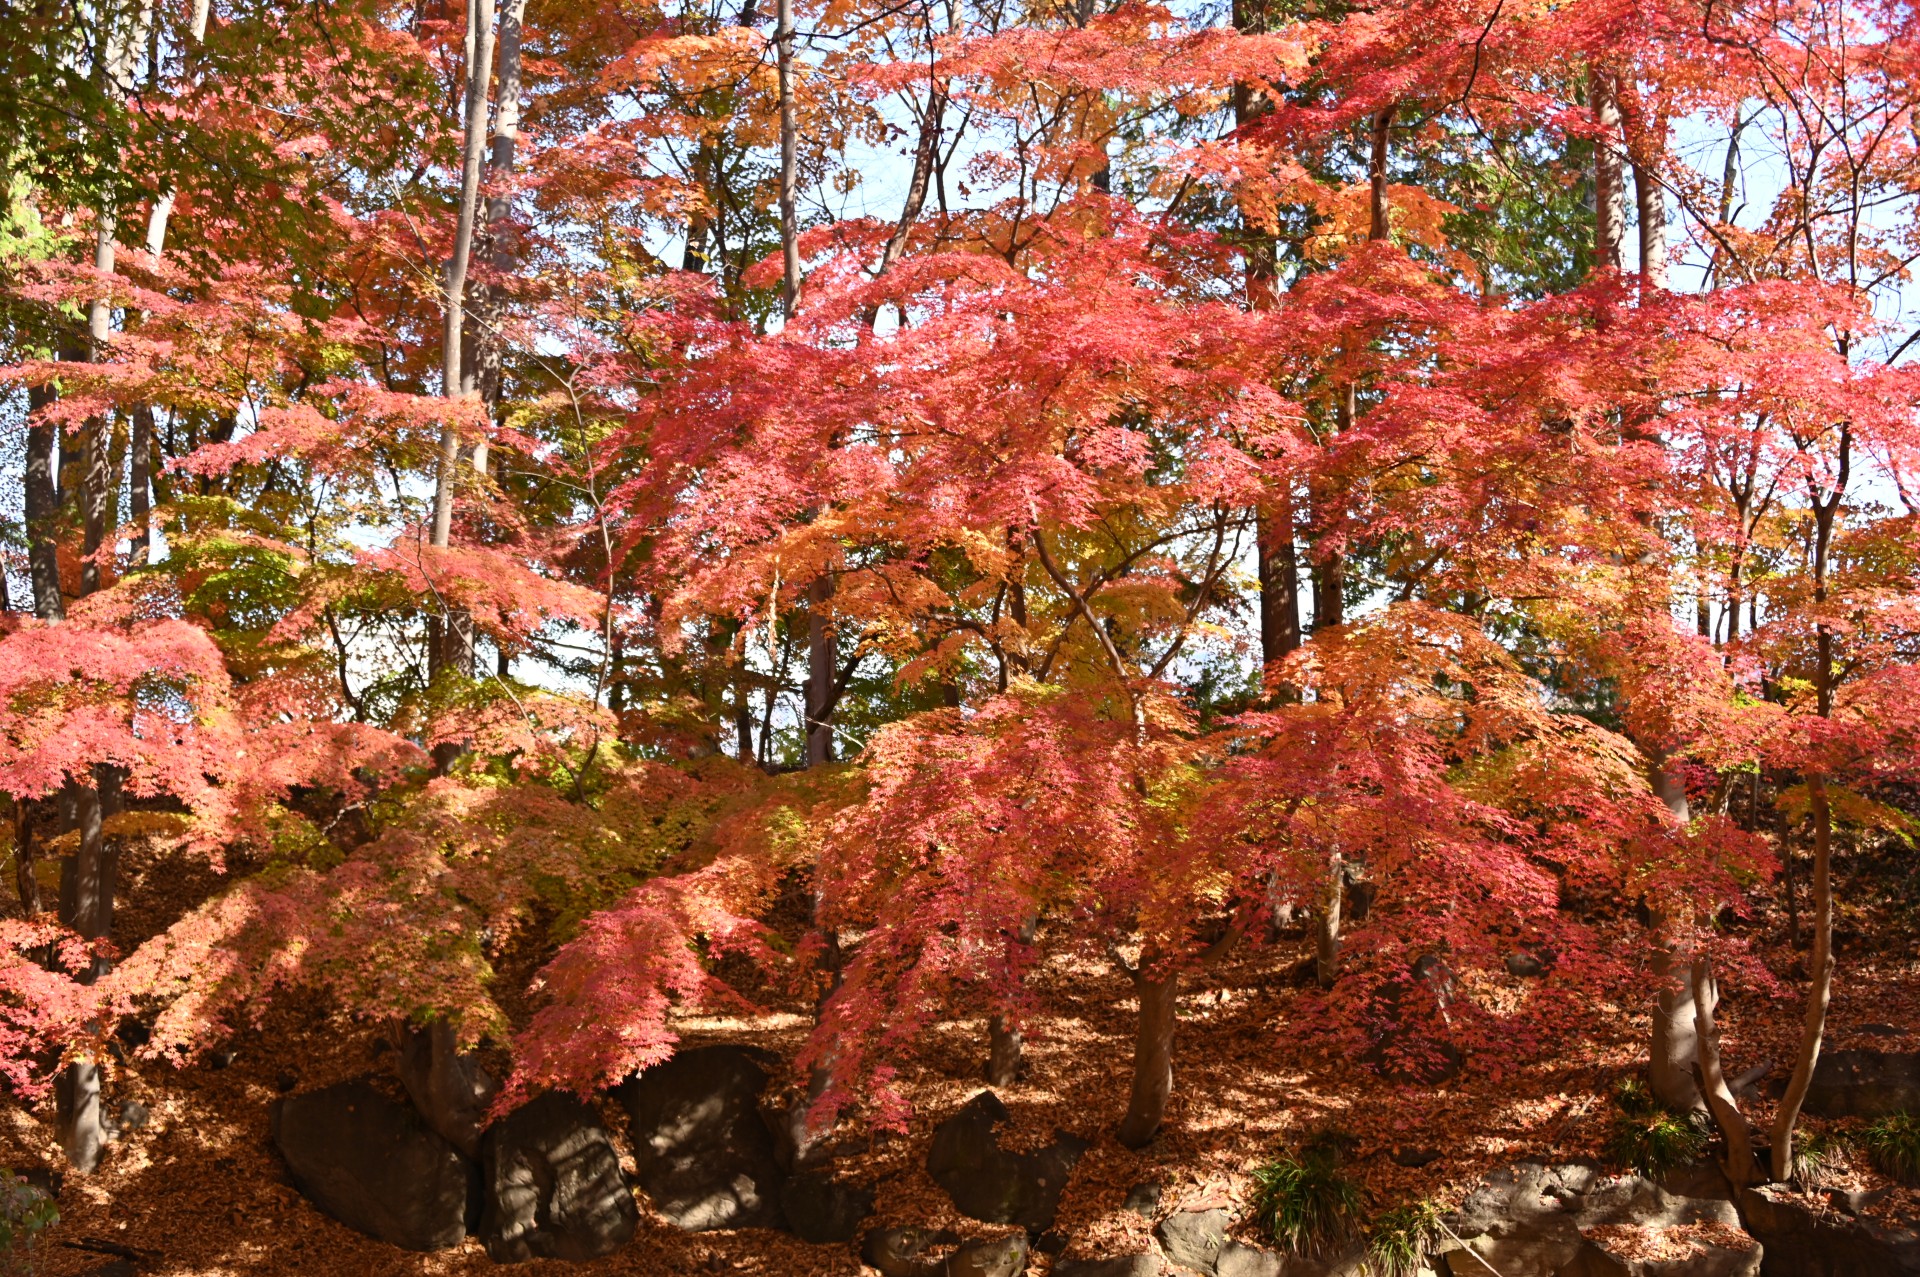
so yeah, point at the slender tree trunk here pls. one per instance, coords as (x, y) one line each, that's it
(789, 159)
(1820, 961)
(42, 501)
(1159, 996)
(1377, 228)
(454, 648)
(1651, 202)
(139, 481)
(820, 662)
(1609, 188)
(86, 908)
(488, 348)
(1705, 997)
(25, 863)
(1820, 992)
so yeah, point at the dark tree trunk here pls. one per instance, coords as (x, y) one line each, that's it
(1004, 1044)
(1159, 996)
(25, 863)
(86, 907)
(139, 479)
(819, 689)
(43, 508)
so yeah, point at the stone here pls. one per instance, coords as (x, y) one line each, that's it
(1121, 1266)
(450, 1087)
(1865, 1084)
(992, 1184)
(553, 1187)
(133, 1116)
(822, 1209)
(1237, 1260)
(371, 1163)
(1803, 1241)
(1524, 965)
(705, 1154)
(1570, 1220)
(901, 1252)
(1194, 1238)
(1143, 1199)
(1413, 1156)
(997, 1257)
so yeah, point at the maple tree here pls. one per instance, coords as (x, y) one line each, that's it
(1238, 469)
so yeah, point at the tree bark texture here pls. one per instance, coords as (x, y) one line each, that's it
(1159, 995)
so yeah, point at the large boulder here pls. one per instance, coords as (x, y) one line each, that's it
(1571, 1220)
(451, 1088)
(903, 1252)
(1864, 1084)
(1197, 1241)
(553, 1186)
(993, 1184)
(371, 1163)
(1148, 1265)
(1803, 1240)
(704, 1152)
(822, 1209)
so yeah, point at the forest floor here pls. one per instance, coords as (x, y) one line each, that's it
(199, 1190)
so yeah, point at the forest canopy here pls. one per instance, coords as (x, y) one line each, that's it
(530, 529)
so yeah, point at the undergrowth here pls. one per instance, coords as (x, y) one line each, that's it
(1649, 1137)
(1892, 1144)
(1816, 1156)
(25, 1212)
(1400, 1239)
(1305, 1202)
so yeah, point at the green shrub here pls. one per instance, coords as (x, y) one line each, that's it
(1305, 1202)
(1650, 1138)
(25, 1212)
(1400, 1239)
(1892, 1144)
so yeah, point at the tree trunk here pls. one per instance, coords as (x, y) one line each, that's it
(1820, 970)
(1674, 1047)
(1820, 963)
(819, 689)
(139, 480)
(450, 1087)
(42, 501)
(1152, 1054)
(1672, 1050)
(25, 878)
(1326, 957)
(1279, 581)
(1705, 996)
(789, 160)
(1377, 228)
(1609, 188)
(86, 908)
(1651, 207)
(454, 650)
(1004, 1043)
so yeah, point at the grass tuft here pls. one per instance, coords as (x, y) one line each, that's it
(1401, 1238)
(1650, 1138)
(1305, 1202)
(1892, 1144)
